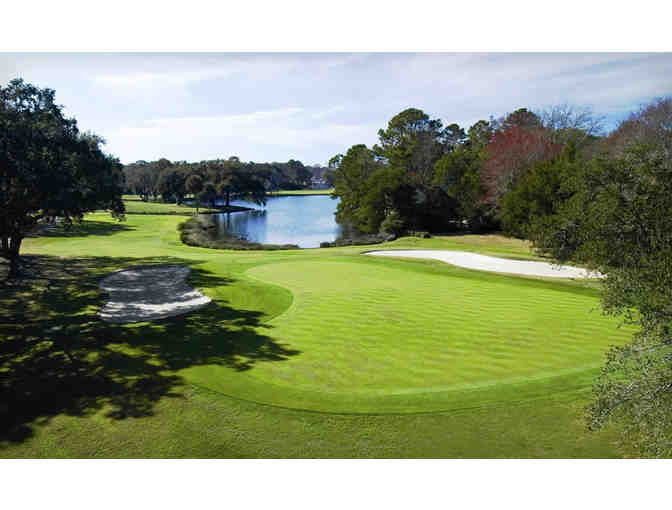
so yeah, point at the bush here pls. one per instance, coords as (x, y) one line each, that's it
(393, 223)
(423, 235)
(359, 240)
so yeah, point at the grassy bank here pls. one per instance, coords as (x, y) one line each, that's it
(200, 231)
(140, 207)
(304, 353)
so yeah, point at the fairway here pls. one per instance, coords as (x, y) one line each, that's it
(323, 330)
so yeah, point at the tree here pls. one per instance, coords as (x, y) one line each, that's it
(510, 152)
(241, 182)
(413, 143)
(299, 173)
(567, 122)
(458, 175)
(171, 184)
(618, 220)
(142, 178)
(541, 190)
(351, 173)
(48, 169)
(194, 185)
(251, 188)
(652, 123)
(386, 202)
(478, 135)
(520, 118)
(454, 136)
(208, 194)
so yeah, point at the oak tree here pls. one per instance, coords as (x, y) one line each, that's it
(48, 168)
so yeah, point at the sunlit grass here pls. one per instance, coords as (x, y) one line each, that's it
(502, 364)
(137, 206)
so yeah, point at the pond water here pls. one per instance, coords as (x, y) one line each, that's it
(303, 220)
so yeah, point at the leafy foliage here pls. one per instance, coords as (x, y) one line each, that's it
(48, 169)
(398, 177)
(413, 143)
(528, 206)
(618, 220)
(509, 153)
(230, 179)
(351, 175)
(172, 184)
(458, 175)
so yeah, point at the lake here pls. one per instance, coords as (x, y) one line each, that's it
(302, 220)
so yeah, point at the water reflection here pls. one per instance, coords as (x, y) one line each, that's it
(303, 220)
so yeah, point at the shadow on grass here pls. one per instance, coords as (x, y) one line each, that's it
(83, 229)
(58, 357)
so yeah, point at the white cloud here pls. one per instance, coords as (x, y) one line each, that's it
(227, 122)
(151, 79)
(312, 106)
(268, 135)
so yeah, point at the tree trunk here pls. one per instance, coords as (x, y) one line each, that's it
(228, 198)
(13, 255)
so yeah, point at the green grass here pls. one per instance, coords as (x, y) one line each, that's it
(305, 353)
(139, 207)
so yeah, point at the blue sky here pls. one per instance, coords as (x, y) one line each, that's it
(273, 107)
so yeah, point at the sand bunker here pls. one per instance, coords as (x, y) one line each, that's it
(148, 293)
(486, 263)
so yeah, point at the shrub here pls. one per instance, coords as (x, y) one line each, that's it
(198, 231)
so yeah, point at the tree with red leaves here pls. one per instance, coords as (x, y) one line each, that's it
(510, 152)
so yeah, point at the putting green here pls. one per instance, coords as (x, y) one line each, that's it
(406, 336)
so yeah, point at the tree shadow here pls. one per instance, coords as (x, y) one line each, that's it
(83, 229)
(57, 356)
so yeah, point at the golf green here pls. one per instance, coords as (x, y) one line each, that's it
(400, 336)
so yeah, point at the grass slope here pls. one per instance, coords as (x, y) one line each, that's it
(469, 364)
(140, 207)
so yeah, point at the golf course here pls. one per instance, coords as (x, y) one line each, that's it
(307, 353)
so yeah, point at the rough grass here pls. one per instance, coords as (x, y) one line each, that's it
(137, 206)
(140, 207)
(469, 364)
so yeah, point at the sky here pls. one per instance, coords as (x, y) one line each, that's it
(312, 106)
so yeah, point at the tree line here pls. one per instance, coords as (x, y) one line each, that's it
(424, 176)
(579, 195)
(213, 179)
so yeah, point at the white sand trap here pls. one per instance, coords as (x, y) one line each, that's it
(148, 293)
(486, 263)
